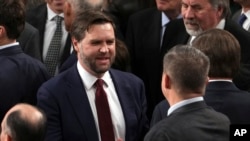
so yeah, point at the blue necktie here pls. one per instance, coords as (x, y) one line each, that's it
(242, 19)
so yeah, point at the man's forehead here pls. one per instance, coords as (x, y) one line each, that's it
(195, 2)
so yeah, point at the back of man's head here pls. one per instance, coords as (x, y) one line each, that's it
(12, 17)
(24, 122)
(187, 69)
(223, 50)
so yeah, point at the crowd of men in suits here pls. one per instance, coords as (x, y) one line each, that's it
(54, 54)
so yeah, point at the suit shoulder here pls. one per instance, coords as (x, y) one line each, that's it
(30, 28)
(31, 14)
(127, 76)
(236, 15)
(144, 14)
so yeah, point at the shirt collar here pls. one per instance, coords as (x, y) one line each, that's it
(183, 103)
(246, 13)
(89, 80)
(165, 19)
(9, 45)
(221, 24)
(216, 80)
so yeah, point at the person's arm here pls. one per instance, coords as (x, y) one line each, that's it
(48, 104)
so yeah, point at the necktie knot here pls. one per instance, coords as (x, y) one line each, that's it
(242, 19)
(58, 19)
(99, 83)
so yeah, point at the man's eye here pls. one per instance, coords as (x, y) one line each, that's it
(95, 43)
(110, 42)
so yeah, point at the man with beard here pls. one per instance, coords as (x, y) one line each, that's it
(201, 15)
(71, 100)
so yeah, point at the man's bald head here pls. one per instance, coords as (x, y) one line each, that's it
(23, 122)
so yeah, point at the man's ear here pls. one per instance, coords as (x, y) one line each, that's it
(165, 83)
(2, 31)
(9, 138)
(6, 137)
(220, 11)
(67, 8)
(207, 81)
(75, 44)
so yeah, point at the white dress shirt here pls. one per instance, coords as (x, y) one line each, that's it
(114, 103)
(246, 24)
(49, 31)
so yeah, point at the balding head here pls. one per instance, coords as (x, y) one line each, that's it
(23, 122)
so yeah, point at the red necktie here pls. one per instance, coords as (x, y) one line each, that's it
(103, 113)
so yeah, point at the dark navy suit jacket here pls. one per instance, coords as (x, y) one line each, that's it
(224, 97)
(70, 118)
(20, 78)
(192, 122)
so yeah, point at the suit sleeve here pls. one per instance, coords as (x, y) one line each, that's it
(49, 105)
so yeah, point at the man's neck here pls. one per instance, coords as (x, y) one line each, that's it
(7, 41)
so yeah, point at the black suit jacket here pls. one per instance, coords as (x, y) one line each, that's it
(143, 41)
(176, 34)
(37, 17)
(236, 17)
(20, 78)
(192, 122)
(224, 97)
(30, 41)
(64, 100)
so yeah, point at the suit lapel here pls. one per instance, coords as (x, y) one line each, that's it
(126, 100)
(175, 34)
(41, 22)
(66, 51)
(152, 37)
(80, 104)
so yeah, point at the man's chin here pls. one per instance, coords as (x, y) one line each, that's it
(102, 69)
(193, 32)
